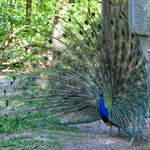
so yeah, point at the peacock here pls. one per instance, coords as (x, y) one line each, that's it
(98, 75)
(104, 112)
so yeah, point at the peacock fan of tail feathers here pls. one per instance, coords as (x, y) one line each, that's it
(92, 61)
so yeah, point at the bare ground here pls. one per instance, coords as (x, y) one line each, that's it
(92, 136)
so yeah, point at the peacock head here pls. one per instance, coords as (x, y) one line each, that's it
(100, 93)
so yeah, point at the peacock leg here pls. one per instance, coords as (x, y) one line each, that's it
(110, 129)
(118, 131)
(131, 142)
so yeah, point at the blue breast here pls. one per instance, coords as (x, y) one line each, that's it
(103, 109)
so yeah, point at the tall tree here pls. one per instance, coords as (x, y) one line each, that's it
(28, 10)
(41, 2)
(106, 13)
(58, 30)
(106, 18)
(13, 2)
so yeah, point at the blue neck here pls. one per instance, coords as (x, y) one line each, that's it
(103, 109)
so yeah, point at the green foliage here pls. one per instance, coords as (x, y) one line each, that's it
(30, 42)
(13, 18)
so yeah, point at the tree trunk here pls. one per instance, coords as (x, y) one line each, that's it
(106, 15)
(41, 1)
(28, 10)
(13, 2)
(58, 23)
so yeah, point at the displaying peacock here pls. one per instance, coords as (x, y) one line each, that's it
(98, 75)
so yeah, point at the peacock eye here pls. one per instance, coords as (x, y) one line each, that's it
(81, 33)
(99, 26)
(92, 34)
(93, 14)
(111, 22)
(46, 58)
(25, 88)
(122, 32)
(33, 79)
(64, 35)
(34, 65)
(50, 41)
(86, 22)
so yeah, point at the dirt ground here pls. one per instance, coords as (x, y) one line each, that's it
(103, 140)
(92, 136)
(95, 136)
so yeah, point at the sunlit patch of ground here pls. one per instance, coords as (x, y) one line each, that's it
(49, 137)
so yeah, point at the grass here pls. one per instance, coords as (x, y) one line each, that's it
(25, 134)
(30, 133)
(30, 143)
